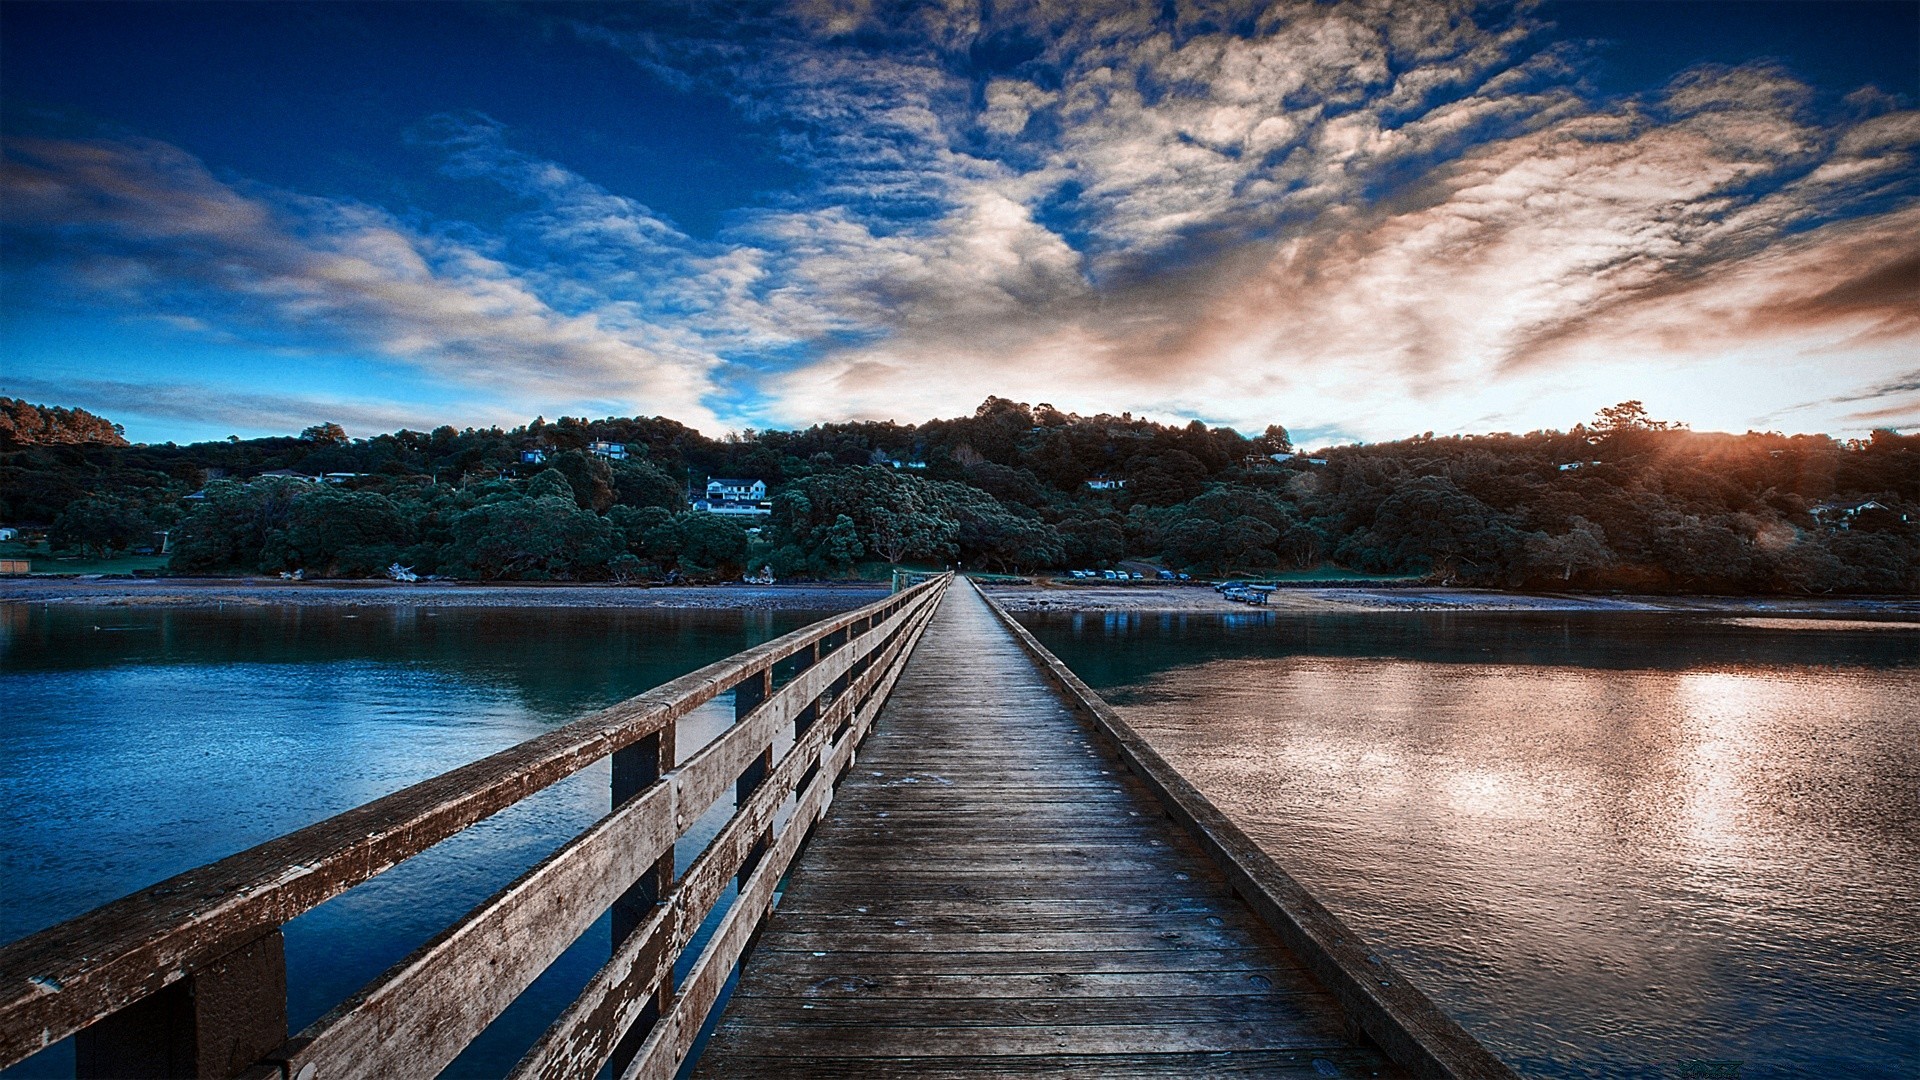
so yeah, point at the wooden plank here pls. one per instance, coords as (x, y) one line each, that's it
(580, 1041)
(1026, 962)
(1296, 1032)
(1317, 1063)
(928, 1012)
(69, 976)
(1392, 1011)
(763, 979)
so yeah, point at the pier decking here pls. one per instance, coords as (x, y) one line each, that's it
(993, 894)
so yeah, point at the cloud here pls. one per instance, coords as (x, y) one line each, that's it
(146, 223)
(1372, 217)
(1334, 218)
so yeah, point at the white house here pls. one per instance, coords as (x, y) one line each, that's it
(724, 490)
(1104, 484)
(612, 451)
(1841, 515)
(735, 498)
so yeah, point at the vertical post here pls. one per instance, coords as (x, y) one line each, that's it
(805, 716)
(218, 1021)
(746, 697)
(636, 768)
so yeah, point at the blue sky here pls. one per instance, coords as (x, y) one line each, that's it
(1362, 220)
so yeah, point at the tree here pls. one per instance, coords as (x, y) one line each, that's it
(642, 483)
(1094, 542)
(232, 525)
(588, 475)
(842, 545)
(1581, 548)
(532, 538)
(23, 424)
(1275, 440)
(1630, 416)
(328, 434)
(1165, 479)
(334, 533)
(99, 525)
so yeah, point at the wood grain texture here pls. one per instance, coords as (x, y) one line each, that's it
(582, 1039)
(994, 894)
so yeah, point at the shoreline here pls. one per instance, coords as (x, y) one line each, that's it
(263, 592)
(1305, 600)
(1142, 598)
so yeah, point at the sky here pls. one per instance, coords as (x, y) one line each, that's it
(1361, 220)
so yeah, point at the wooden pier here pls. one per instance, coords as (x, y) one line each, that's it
(1010, 882)
(995, 895)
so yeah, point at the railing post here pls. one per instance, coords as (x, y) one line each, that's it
(746, 697)
(217, 1022)
(636, 768)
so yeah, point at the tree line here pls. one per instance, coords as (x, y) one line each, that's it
(1627, 502)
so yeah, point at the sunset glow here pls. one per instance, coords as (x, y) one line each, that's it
(1363, 220)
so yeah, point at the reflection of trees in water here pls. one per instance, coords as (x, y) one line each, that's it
(1117, 649)
(559, 661)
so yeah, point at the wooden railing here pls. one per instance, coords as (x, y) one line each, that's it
(188, 977)
(1401, 1020)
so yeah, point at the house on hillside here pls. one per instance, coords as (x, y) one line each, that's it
(612, 451)
(732, 497)
(1102, 483)
(1842, 515)
(720, 489)
(534, 456)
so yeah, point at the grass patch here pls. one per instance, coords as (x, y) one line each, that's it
(45, 561)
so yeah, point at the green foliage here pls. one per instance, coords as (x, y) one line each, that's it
(334, 533)
(99, 526)
(1630, 503)
(230, 528)
(324, 434)
(641, 483)
(589, 479)
(536, 538)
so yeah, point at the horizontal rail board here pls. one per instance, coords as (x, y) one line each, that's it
(582, 1039)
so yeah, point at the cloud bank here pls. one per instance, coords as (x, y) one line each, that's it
(1363, 218)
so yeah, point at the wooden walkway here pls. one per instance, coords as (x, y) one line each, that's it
(994, 895)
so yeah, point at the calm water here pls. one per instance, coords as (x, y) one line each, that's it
(1612, 845)
(138, 743)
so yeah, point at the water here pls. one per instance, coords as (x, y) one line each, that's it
(136, 743)
(1611, 845)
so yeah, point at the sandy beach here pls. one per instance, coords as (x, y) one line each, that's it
(215, 592)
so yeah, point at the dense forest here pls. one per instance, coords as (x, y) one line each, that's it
(1626, 502)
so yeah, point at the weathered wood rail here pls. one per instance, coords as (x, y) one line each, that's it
(188, 978)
